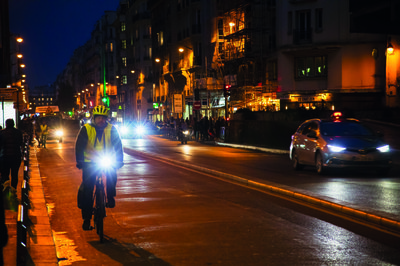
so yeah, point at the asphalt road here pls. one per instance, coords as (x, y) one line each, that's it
(366, 190)
(167, 215)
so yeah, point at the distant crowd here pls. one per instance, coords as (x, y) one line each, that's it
(203, 129)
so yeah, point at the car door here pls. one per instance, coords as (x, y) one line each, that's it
(298, 141)
(310, 142)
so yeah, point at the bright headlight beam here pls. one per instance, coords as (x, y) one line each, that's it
(335, 148)
(59, 133)
(140, 130)
(105, 162)
(385, 148)
(124, 129)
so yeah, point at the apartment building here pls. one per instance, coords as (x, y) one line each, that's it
(135, 61)
(326, 61)
(191, 58)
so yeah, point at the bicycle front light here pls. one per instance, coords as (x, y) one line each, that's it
(105, 162)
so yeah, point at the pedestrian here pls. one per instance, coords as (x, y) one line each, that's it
(3, 227)
(11, 143)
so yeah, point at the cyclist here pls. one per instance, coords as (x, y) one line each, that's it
(94, 140)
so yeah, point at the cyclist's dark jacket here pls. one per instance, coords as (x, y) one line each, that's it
(83, 140)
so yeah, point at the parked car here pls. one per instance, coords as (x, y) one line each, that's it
(339, 142)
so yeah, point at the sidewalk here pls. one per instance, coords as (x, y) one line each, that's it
(40, 244)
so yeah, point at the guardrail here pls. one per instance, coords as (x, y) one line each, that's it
(23, 221)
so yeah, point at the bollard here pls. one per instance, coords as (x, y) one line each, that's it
(21, 237)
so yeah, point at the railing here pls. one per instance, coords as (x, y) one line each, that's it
(23, 221)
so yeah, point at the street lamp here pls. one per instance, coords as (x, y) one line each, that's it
(391, 63)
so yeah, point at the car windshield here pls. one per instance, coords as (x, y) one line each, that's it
(345, 129)
(51, 121)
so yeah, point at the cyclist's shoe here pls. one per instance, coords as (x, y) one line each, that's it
(110, 202)
(86, 225)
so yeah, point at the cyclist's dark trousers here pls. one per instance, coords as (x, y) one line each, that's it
(10, 163)
(85, 193)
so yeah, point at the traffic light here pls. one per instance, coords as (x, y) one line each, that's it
(227, 90)
(106, 101)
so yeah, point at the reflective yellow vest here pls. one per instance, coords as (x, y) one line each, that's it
(94, 147)
(44, 129)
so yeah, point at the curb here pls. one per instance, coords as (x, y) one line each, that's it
(41, 246)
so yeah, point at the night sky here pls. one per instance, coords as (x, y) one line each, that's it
(52, 30)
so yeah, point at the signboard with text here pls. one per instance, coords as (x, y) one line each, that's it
(178, 103)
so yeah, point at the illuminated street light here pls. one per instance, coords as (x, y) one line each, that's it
(231, 24)
(390, 49)
(19, 39)
(19, 55)
(22, 65)
(158, 60)
(181, 50)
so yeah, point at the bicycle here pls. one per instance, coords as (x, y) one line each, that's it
(100, 196)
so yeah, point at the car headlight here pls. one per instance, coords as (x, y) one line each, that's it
(59, 133)
(186, 132)
(124, 129)
(140, 130)
(384, 148)
(333, 148)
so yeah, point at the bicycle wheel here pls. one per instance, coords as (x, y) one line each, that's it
(100, 210)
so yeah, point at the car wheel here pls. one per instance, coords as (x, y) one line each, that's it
(295, 161)
(319, 164)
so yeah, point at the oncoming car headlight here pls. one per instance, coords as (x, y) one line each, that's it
(384, 148)
(59, 133)
(140, 130)
(124, 129)
(336, 148)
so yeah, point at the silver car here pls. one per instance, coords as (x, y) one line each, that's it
(338, 143)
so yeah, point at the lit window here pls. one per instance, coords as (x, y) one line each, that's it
(310, 67)
(123, 26)
(123, 44)
(124, 61)
(111, 46)
(124, 79)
